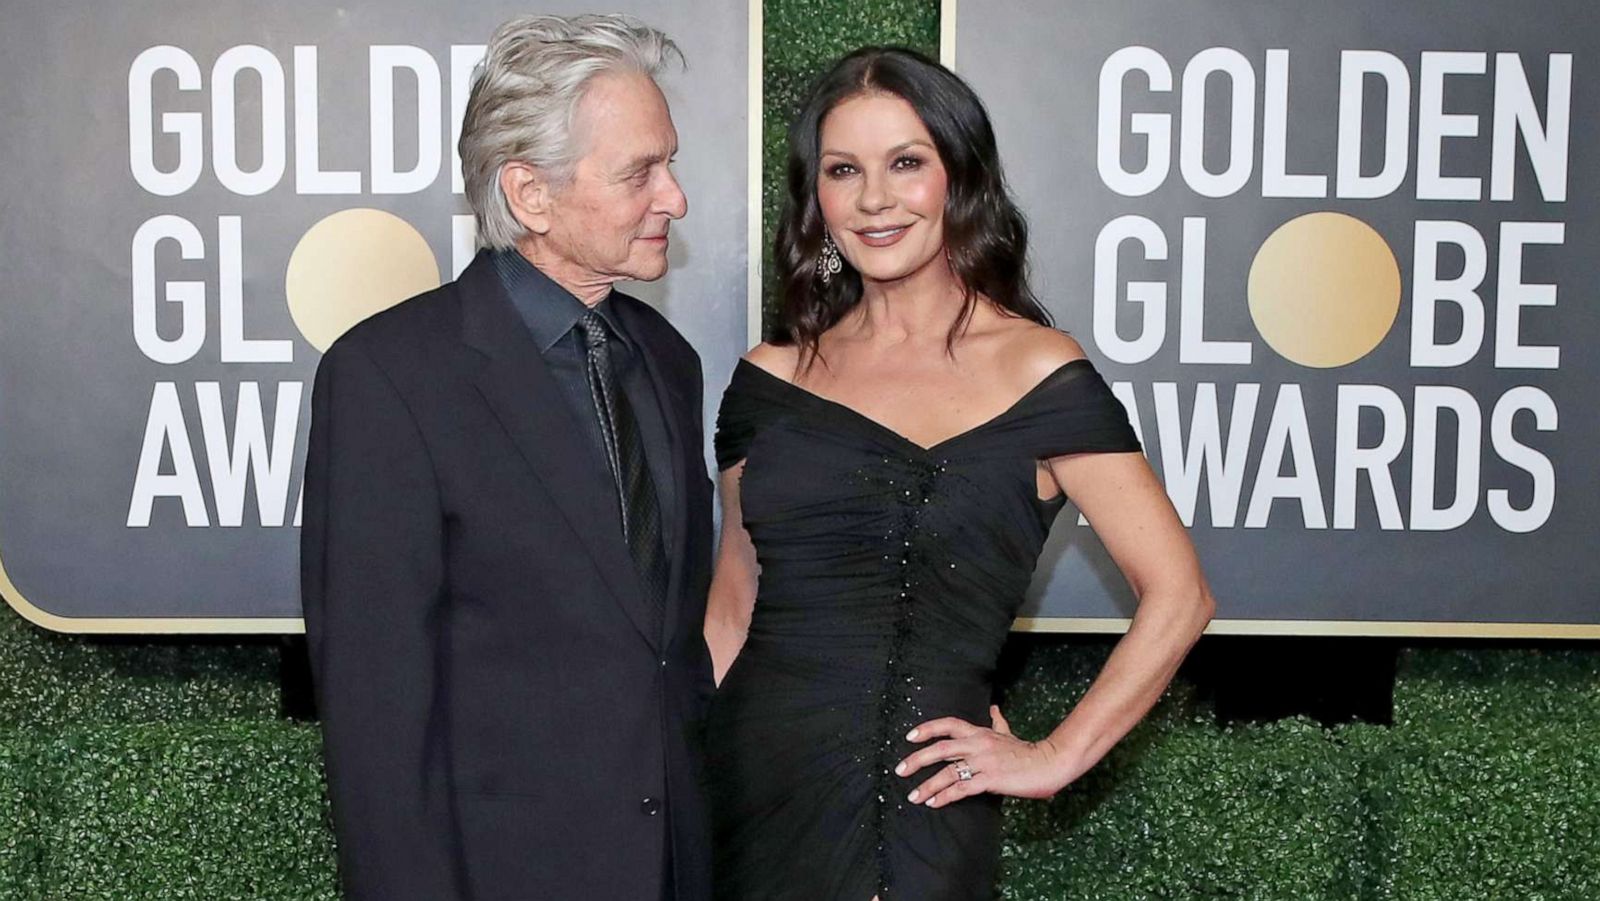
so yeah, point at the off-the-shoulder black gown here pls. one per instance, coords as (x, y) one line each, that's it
(890, 576)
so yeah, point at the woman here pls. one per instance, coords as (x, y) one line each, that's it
(891, 466)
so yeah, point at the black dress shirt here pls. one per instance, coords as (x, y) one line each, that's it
(550, 312)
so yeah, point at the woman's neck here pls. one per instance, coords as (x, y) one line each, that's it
(920, 306)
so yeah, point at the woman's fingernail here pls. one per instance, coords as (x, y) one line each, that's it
(913, 797)
(912, 735)
(900, 770)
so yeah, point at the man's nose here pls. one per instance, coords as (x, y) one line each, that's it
(671, 199)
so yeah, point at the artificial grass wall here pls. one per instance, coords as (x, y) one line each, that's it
(172, 775)
(135, 769)
(1487, 786)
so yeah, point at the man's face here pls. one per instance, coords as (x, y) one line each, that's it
(610, 222)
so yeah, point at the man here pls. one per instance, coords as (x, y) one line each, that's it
(507, 538)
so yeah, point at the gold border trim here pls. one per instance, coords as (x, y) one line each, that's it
(160, 625)
(86, 625)
(947, 33)
(756, 94)
(1303, 627)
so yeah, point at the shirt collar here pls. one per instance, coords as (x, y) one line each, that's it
(549, 310)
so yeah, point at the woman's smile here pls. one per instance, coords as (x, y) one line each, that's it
(882, 237)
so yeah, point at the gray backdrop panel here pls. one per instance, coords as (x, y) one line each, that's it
(1037, 63)
(75, 390)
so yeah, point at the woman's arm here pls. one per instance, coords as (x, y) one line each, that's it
(1134, 518)
(733, 583)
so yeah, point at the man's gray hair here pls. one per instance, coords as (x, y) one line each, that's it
(525, 96)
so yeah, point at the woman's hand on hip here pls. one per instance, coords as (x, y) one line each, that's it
(972, 760)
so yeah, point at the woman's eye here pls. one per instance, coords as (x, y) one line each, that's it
(841, 170)
(907, 162)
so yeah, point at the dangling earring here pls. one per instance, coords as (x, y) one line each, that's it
(831, 264)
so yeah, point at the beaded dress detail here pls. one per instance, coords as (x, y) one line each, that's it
(890, 576)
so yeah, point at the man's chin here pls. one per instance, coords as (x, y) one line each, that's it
(648, 270)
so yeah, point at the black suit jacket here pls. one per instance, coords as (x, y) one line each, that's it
(498, 720)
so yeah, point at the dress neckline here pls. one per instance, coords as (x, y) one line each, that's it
(942, 443)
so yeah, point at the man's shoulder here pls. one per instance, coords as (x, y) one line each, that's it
(409, 342)
(406, 326)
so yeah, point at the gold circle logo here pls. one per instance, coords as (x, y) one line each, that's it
(350, 265)
(1324, 289)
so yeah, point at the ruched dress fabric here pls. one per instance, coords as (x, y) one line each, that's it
(890, 576)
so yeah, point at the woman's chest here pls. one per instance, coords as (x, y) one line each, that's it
(803, 473)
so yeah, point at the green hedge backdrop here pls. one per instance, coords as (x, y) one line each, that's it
(165, 769)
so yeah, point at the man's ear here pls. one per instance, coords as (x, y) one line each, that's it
(528, 195)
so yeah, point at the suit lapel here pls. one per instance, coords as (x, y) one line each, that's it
(519, 388)
(674, 411)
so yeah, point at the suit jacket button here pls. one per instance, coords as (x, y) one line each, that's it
(649, 807)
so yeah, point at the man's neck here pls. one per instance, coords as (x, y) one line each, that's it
(588, 287)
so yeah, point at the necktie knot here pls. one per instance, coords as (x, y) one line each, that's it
(592, 329)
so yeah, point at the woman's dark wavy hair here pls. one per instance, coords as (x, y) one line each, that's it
(984, 231)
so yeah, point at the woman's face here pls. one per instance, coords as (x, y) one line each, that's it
(881, 187)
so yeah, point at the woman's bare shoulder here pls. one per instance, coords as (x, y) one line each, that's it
(1031, 352)
(781, 360)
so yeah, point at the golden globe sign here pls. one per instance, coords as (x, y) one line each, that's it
(1329, 262)
(1324, 288)
(285, 171)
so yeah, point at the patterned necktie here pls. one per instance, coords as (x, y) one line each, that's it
(636, 490)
